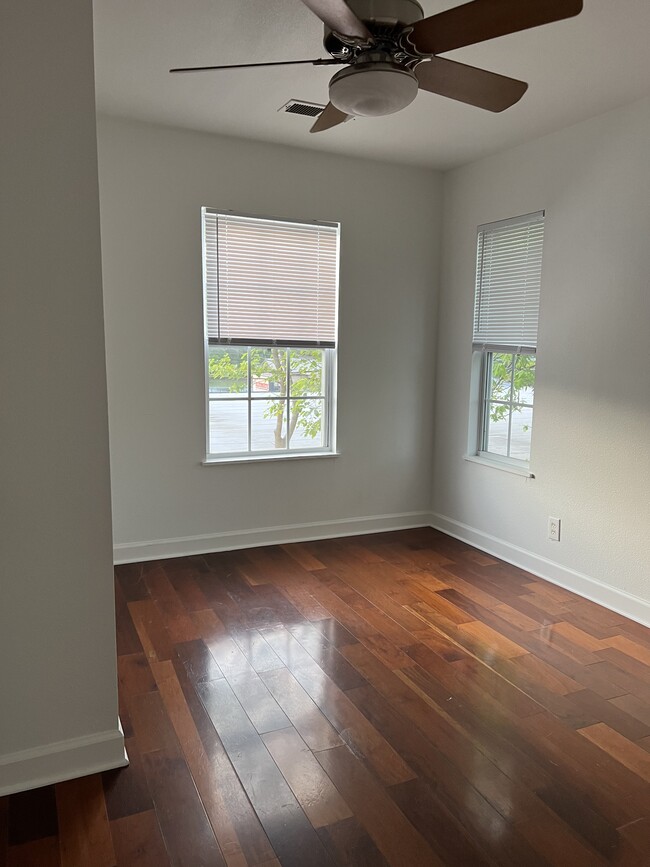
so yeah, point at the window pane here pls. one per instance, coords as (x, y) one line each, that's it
(496, 439)
(308, 423)
(228, 377)
(269, 370)
(520, 433)
(307, 372)
(524, 379)
(501, 375)
(227, 370)
(509, 413)
(228, 426)
(268, 425)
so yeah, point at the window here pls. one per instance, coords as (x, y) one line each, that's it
(271, 292)
(506, 308)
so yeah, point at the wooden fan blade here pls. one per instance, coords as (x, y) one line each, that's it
(338, 16)
(468, 84)
(328, 61)
(329, 117)
(486, 19)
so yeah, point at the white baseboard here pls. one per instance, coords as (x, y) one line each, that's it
(63, 760)
(620, 601)
(160, 549)
(584, 585)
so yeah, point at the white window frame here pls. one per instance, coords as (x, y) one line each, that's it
(328, 422)
(480, 387)
(483, 386)
(328, 396)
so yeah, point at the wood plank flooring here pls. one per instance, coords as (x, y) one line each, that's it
(397, 699)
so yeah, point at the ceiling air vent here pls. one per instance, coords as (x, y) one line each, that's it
(308, 109)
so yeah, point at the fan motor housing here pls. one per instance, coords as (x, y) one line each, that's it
(383, 18)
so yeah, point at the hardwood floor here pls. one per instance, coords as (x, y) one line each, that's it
(398, 699)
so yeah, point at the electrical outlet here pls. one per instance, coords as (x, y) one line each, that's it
(554, 529)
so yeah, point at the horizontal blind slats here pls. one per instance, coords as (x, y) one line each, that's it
(508, 280)
(269, 279)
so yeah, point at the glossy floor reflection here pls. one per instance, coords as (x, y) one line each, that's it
(397, 699)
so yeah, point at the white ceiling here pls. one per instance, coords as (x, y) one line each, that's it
(576, 69)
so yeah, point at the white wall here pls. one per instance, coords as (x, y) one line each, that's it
(153, 182)
(58, 689)
(590, 450)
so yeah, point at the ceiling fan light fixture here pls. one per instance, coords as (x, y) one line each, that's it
(373, 90)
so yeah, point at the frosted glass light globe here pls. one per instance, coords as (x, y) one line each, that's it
(373, 90)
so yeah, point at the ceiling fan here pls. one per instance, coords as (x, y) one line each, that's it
(390, 50)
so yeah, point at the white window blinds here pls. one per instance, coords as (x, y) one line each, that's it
(270, 282)
(508, 278)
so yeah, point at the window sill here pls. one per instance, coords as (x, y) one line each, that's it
(256, 459)
(500, 465)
